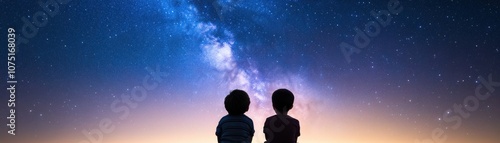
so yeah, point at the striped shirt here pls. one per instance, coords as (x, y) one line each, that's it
(235, 129)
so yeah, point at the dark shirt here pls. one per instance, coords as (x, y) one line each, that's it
(281, 129)
(235, 129)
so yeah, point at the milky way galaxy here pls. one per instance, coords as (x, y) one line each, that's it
(157, 71)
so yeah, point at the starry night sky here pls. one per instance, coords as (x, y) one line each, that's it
(397, 89)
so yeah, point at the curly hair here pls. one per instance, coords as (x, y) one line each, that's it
(237, 102)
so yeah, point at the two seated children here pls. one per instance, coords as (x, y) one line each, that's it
(236, 127)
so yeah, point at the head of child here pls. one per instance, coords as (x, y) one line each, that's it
(282, 101)
(237, 102)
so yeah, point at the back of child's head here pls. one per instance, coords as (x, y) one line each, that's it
(237, 102)
(282, 100)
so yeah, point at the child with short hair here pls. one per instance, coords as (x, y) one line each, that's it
(235, 127)
(282, 128)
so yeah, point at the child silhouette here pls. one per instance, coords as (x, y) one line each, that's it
(235, 127)
(281, 128)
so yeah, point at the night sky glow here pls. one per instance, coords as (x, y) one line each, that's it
(157, 71)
